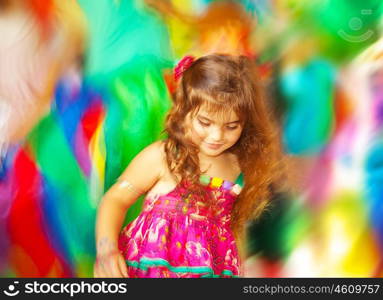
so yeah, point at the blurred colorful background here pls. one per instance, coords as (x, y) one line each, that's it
(85, 85)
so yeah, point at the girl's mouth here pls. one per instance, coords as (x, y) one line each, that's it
(213, 146)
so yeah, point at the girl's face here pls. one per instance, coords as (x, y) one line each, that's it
(214, 133)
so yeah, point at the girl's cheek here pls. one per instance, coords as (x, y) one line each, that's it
(202, 133)
(198, 131)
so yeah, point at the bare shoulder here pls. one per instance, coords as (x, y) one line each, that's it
(147, 167)
(153, 151)
(152, 156)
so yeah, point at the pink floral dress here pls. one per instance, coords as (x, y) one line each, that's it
(182, 235)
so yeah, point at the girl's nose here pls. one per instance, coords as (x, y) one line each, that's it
(216, 135)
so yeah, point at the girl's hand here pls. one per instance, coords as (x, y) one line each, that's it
(111, 264)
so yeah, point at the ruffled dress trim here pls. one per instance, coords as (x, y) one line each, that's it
(145, 263)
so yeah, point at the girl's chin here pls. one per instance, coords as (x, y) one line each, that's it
(211, 152)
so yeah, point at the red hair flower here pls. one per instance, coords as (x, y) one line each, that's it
(182, 66)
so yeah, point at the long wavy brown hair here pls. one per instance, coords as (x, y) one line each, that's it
(224, 82)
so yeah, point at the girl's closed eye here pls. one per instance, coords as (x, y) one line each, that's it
(203, 123)
(232, 127)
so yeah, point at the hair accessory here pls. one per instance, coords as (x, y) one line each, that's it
(182, 66)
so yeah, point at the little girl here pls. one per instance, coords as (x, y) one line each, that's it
(193, 220)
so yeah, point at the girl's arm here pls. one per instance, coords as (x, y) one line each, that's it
(141, 174)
